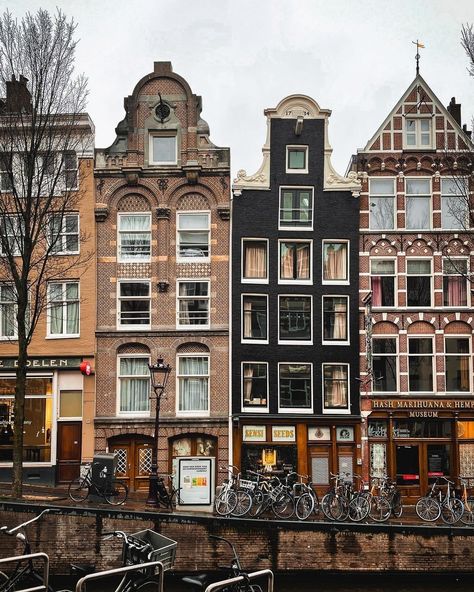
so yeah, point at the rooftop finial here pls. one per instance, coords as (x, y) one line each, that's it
(417, 57)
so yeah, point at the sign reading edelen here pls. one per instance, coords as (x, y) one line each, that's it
(283, 434)
(253, 433)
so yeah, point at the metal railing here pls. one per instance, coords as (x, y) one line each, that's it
(31, 557)
(241, 579)
(82, 583)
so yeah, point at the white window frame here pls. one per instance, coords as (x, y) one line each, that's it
(331, 410)
(336, 282)
(132, 327)
(300, 148)
(418, 133)
(298, 341)
(141, 259)
(395, 283)
(154, 135)
(286, 281)
(407, 275)
(50, 335)
(16, 222)
(296, 227)
(251, 409)
(62, 234)
(196, 259)
(392, 196)
(469, 357)
(69, 170)
(118, 412)
(433, 363)
(245, 280)
(191, 327)
(333, 341)
(468, 279)
(465, 195)
(242, 338)
(13, 337)
(419, 196)
(204, 413)
(302, 410)
(397, 365)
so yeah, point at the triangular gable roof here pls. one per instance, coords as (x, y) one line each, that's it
(389, 136)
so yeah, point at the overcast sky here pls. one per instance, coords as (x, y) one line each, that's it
(355, 57)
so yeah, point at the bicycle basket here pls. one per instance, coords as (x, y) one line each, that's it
(164, 549)
(275, 492)
(247, 484)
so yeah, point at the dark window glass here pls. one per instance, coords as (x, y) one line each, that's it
(295, 318)
(296, 207)
(255, 385)
(334, 318)
(420, 365)
(384, 362)
(255, 317)
(295, 385)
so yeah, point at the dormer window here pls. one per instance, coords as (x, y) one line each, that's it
(418, 133)
(297, 159)
(163, 150)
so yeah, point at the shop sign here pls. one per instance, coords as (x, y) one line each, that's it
(422, 407)
(42, 363)
(195, 480)
(254, 433)
(321, 434)
(283, 434)
(345, 434)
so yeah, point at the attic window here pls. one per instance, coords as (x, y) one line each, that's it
(163, 150)
(296, 159)
(418, 133)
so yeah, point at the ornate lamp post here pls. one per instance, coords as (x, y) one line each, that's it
(159, 374)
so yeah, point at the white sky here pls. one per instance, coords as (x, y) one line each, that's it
(353, 56)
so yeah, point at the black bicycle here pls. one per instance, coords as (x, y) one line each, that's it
(113, 491)
(168, 497)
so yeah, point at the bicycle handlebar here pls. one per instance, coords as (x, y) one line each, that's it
(11, 531)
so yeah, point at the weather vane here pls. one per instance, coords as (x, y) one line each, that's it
(417, 57)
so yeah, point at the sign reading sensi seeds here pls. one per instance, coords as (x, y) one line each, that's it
(283, 434)
(254, 433)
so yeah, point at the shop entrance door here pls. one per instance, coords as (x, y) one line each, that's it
(69, 450)
(407, 463)
(418, 465)
(133, 461)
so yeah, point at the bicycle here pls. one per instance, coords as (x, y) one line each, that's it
(433, 505)
(270, 493)
(233, 499)
(168, 497)
(387, 502)
(114, 492)
(468, 501)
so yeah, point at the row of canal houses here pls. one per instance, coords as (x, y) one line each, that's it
(314, 322)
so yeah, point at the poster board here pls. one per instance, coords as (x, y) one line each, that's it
(195, 479)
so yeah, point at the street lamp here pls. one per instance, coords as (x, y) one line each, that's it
(159, 374)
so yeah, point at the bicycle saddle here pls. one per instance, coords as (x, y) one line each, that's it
(82, 569)
(199, 581)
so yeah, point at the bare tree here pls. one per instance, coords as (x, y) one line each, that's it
(43, 131)
(467, 42)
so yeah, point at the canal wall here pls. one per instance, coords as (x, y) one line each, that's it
(74, 535)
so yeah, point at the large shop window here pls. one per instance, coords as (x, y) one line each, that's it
(295, 319)
(273, 458)
(193, 384)
(335, 262)
(134, 304)
(295, 385)
(255, 384)
(382, 204)
(134, 237)
(134, 385)
(254, 261)
(63, 309)
(384, 362)
(8, 308)
(193, 235)
(295, 261)
(418, 282)
(336, 387)
(296, 208)
(457, 364)
(420, 364)
(255, 318)
(455, 281)
(38, 419)
(335, 319)
(193, 304)
(418, 204)
(454, 204)
(382, 279)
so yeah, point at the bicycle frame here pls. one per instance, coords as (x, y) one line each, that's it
(241, 579)
(18, 573)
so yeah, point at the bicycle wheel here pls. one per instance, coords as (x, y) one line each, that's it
(428, 509)
(258, 504)
(304, 506)
(225, 502)
(452, 510)
(78, 490)
(380, 508)
(332, 506)
(468, 513)
(397, 506)
(244, 503)
(117, 493)
(151, 584)
(283, 506)
(358, 508)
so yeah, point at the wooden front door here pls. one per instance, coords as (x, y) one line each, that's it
(133, 461)
(69, 450)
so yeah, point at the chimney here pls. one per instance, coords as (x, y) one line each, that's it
(455, 110)
(466, 131)
(18, 96)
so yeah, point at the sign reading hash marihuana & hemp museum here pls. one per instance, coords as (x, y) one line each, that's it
(423, 407)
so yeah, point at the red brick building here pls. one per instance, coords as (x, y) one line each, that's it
(416, 256)
(162, 217)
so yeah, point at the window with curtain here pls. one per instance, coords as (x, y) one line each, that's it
(193, 384)
(134, 304)
(384, 364)
(455, 282)
(420, 364)
(134, 384)
(255, 384)
(457, 362)
(295, 261)
(418, 282)
(193, 304)
(335, 258)
(134, 237)
(336, 386)
(254, 254)
(63, 308)
(335, 318)
(64, 233)
(296, 208)
(382, 204)
(295, 385)
(254, 317)
(382, 282)
(418, 204)
(454, 203)
(295, 318)
(8, 309)
(193, 235)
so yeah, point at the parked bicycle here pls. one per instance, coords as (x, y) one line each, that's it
(113, 491)
(344, 501)
(233, 500)
(270, 493)
(440, 503)
(385, 499)
(168, 497)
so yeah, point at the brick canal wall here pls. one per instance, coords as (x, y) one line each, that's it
(74, 535)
